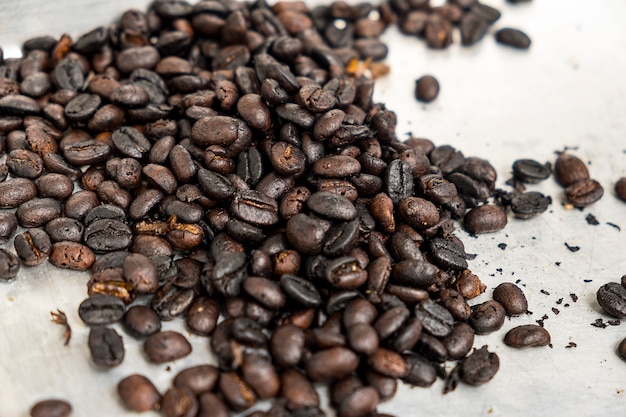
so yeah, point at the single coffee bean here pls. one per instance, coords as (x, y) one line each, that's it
(25, 164)
(455, 303)
(447, 253)
(512, 298)
(529, 204)
(333, 363)
(71, 255)
(33, 246)
(306, 233)
(171, 301)
(237, 394)
(436, 320)
(473, 28)
(612, 298)
(212, 405)
(9, 265)
(101, 309)
(388, 363)
(569, 169)
(107, 235)
(391, 320)
(138, 393)
(426, 88)
(166, 346)
(8, 226)
(140, 272)
(584, 192)
(106, 347)
(287, 345)
(530, 171)
(621, 349)
(259, 373)
(179, 402)
(398, 178)
(141, 321)
(197, 379)
(51, 408)
(65, 229)
(360, 402)
(485, 219)
(16, 191)
(529, 335)
(460, 341)
(487, 317)
(202, 315)
(513, 37)
(420, 371)
(331, 206)
(479, 367)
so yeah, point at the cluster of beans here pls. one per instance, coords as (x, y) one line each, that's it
(220, 161)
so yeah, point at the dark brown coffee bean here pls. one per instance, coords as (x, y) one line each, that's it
(260, 375)
(82, 107)
(220, 130)
(479, 367)
(141, 321)
(33, 246)
(332, 206)
(419, 371)
(9, 265)
(529, 204)
(56, 186)
(306, 233)
(391, 320)
(130, 96)
(197, 379)
(138, 393)
(236, 392)
(140, 272)
(211, 405)
(584, 192)
(171, 301)
(143, 57)
(360, 402)
(25, 164)
(87, 152)
(101, 309)
(436, 320)
(469, 285)
(438, 31)
(612, 298)
(485, 219)
(455, 303)
(447, 253)
(300, 290)
(530, 171)
(512, 298)
(106, 347)
(8, 226)
(51, 408)
(19, 105)
(426, 88)
(529, 335)
(336, 166)
(38, 211)
(333, 363)
(179, 402)
(459, 342)
(16, 191)
(513, 37)
(569, 169)
(166, 346)
(398, 180)
(487, 317)
(298, 391)
(363, 338)
(621, 349)
(202, 315)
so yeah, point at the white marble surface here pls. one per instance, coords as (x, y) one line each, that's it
(496, 103)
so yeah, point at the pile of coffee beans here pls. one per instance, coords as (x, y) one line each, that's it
(218, 163)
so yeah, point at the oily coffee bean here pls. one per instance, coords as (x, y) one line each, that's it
(300, 290)
(391, 320)
(25, 164)
(620, 188)
(612, 298)
(331, 206)
(237, 394)
(306, 233)
(8, 226)
(33, 246)
(259, 373)
(51, 408)
(485, 219)
(179, 402)
(530, 171)
(166, 346)
(513, 37)
(529, 204)
(141, 321)
(420, 371)
(197, 379)
(65, 229)
(138, 393)
(106, 347)
(426, 88)
(479, 367)
(101, 309)
(9, 265)
(140, 272)
(16, 191)
(202, 315)
(487, 317)
(56, 186)
(460, 341)
(569, 169)
(527, 336)
(333, 363)
(512, 298)
(398, 178)
(584, 192)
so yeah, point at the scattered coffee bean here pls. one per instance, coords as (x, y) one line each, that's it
(138, 393)
(612, 298)
(51, 408)
(513, 37)
(529, 335)
(426, 88)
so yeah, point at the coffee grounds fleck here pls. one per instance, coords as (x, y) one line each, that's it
(544, 292)
(572, 248)
(571, 345)
(614, 322)
(591, 220)
(557, 263)
(542, 319)
(556, 311)
(502, 246)
(613, 225)
(599, 323)
(559, 301)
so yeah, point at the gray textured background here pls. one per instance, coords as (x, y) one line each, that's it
(496, 103)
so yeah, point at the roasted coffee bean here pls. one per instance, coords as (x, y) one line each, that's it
(236, 392)
(448, 254)
(612, 298)
(418, 212)
(487, 317)
(414, 273)
(211, 405)
(344, 273)
(197, 379)
(513, 37)
(129, 141)
(584, 192)
(438, 32)
(71, 255)
(527, 336)
(8, 226)
(259, 373)
(398, 180)
(9, 265)
(105, 212)
(473, 28)
(82, 107)
(436, 320)
(620, 188)
(166, 346)
(306, 233)
(19, 105)
(333, 363)
(179, 402)
(171, 301)
(455, 303)
(16, 191)
(38, 211)
(426, 88)
(621, 349)
(99, 310)
(201, 316)
(51, 408)
(300, 290)
(360, 402)
(331, 206)
(529, 204)
(140, 272)
(485, 219)
(33, 246)
(141, 321)
(460, 341)
(530, 171)
(56, 186)
(336, 166)
(25, 164)
(479, 367)
(106, 235)
(391, 320)
(511, 297)
(569, 169)
(419, 371)
(138, 393)
(106, 347)
(469, 285)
